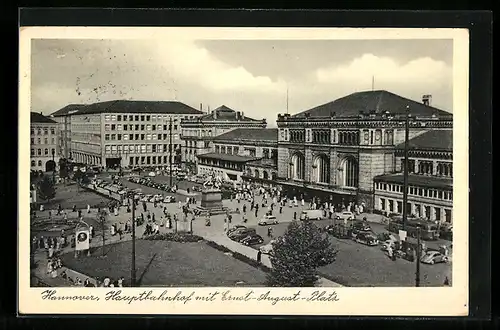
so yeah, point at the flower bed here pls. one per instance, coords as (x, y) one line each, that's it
(175, 237)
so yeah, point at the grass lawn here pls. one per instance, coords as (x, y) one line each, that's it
(70, 194)
(162, 263)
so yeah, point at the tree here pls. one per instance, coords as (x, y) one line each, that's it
(63, 168)
(80, 178)
(297, 255)
(102, 216)
(46, 189)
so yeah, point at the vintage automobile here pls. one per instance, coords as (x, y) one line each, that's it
(433, 257)
(268, 248)
(366, 238)
(252, 239)
(268, 220)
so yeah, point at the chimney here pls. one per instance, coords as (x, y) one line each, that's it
(214, 113)
(208, 111)
(426, 99)
(201, 107)
(237, 115)
(242, 115)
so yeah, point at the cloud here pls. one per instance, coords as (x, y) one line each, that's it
(386, 70)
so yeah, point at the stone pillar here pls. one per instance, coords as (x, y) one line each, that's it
(412, 208)
(433, 213)
(422, 211)
(333, 167)
(308, 165)
(416, 166)
(434, 167)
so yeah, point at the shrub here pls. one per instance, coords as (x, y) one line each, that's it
(175, 237)
(218, 247)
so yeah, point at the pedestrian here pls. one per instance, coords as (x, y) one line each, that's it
(446, 281)
(74, 208)
(259, 256)
(255, 212)
(281, 209)
(88, 208)
(269, 232)
(244, 208)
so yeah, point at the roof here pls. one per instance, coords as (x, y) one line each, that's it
(69, 109)
(260, 134)
(417, 180)
(371, 101)
(227, 114)
(232, 158)
(36, 117)
(129, 106)
(264, 163)
(431, 140)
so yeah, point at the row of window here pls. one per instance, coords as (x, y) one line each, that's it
(221, 163)
(149, 160)
(38, 152)
(142, 117)
(424, 167)
(45, 130)
(197, 132)
(45, 141)
(416, 191)
(138, 127)
(139, 137)
(192, 144)
(140, 148)
(418, 210)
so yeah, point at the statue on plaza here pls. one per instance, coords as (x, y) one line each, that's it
(212, 181)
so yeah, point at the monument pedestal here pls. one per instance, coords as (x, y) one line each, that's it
(211, 201)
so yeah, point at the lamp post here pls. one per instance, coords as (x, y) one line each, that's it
(170, 151)
(54, 169)
(417, 272)
(405, 170)
(133, 269)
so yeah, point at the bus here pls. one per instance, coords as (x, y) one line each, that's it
(428, 231)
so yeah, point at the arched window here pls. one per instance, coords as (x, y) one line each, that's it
(349, 172)
(297, 166)
(321, 169)
(257, 174)
(265, 175)
(39, 163)
(33, 163)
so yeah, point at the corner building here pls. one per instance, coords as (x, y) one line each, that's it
(44, 135)
(127, 133)
(334, 151)
(198, 133)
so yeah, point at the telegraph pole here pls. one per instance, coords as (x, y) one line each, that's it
(133, 270)
(417, 273)
(170, 150)
(405, 170)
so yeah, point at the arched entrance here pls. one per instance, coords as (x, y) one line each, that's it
(257, 174)
(265, 175)
(297, 166)
(274, 176)
(321, 169)
(348, 172)
(50, 166)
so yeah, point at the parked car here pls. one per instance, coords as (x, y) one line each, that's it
(152, 174)
(241, 233)
(311, 215)
(268, 248)
(339, 231)
(236, 227)
(386, 244)
(253, 239)
(360, 227)
(366, 238)
(345, 215)
(268, 220)
(433, 257)
(169, 199)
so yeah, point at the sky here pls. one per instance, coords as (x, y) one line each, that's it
(252, 76)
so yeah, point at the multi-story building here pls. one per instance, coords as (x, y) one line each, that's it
(63, 118)
(334, 151)
(430, 178)
(243, 154)
(128, 133)
(198, 133)
(44, 135)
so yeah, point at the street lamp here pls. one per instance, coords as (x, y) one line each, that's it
(53, 162)
(133, 269)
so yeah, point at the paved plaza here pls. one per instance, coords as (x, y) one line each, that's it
(356, 264)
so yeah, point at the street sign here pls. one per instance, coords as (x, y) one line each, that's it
(402, 235)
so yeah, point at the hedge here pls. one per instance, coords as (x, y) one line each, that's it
(239, 256)
(175, 237)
